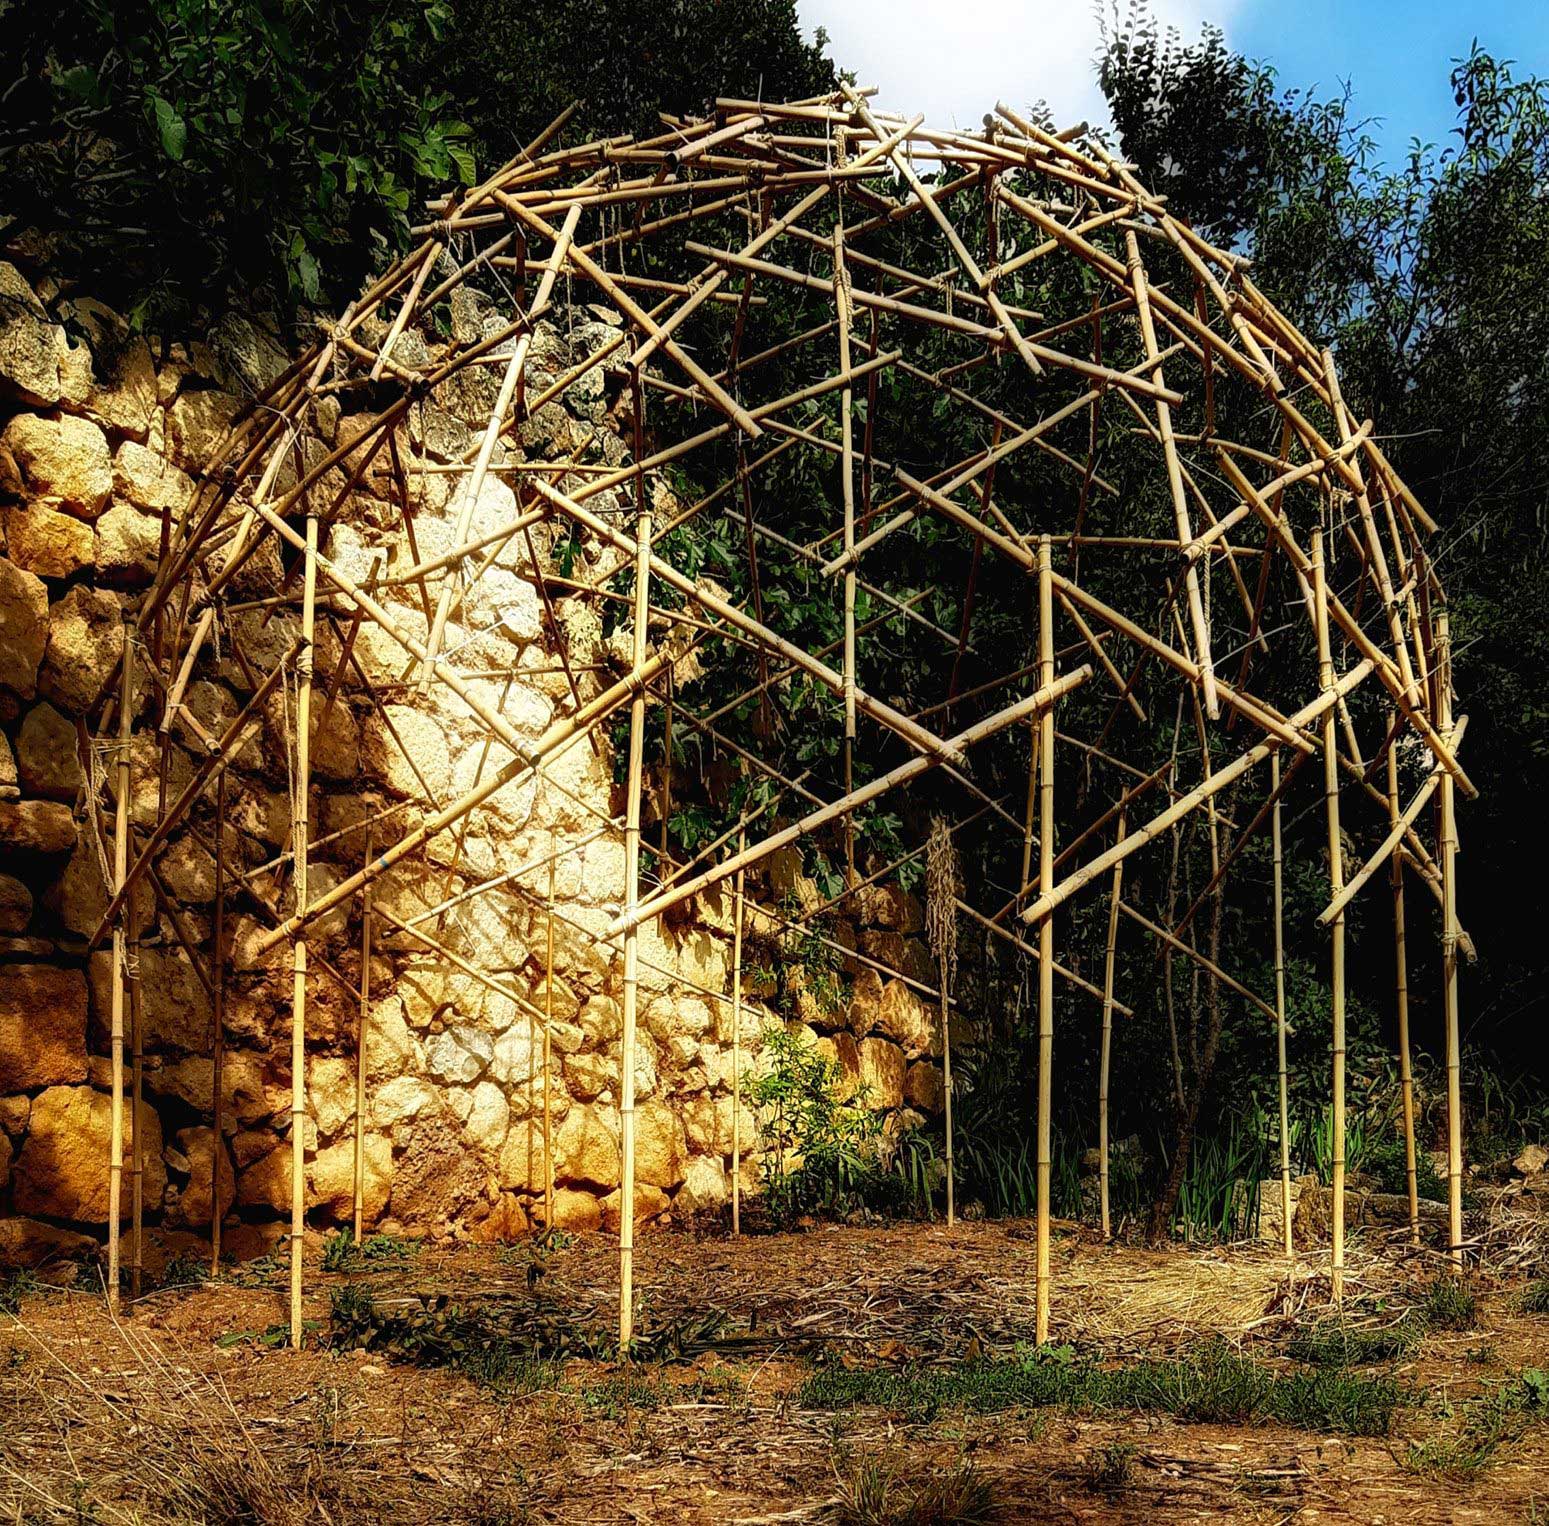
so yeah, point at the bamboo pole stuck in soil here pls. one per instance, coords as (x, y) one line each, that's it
(1107, 1043)
(1336, 877)
(736, 1046)
(218, 1026)
(1406, 1078)
(116, 1039)
(1282, 1073)
(631, 899)
(298, 1008)
(1449, 953)
(1045, 939)
(362, 1023)
(941, 877)
(548, 1056)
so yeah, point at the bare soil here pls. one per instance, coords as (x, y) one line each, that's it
(185, 1411)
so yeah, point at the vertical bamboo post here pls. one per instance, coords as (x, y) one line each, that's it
(941, 878)
(632, 897)
(1337, 927)
(847, 485)
(1045, 932)
(1449, 955)
(120, 872)
(1401, 992)
(736, 1049)
(362, 1020)
(548, 1054)
(218, 1045)
(1280, 1031)
(1107, 1046)
(298, 1010)
(136, 1101)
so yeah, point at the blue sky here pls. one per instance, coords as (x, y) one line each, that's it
(954, 58)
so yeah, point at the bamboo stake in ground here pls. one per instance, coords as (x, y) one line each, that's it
(548, 1057)
(298, 1010)
(736, 1049)
(120, 870)
(631, 900)
(218, 1043)
(1336, 878)
(1449, 954)
(362, 1019)
(1401, 995)
(1045, 936)
(1280, 1030)
(941, 878)
(1107, 1047)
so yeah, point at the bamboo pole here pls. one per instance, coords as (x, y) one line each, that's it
(548, 1057)
(298, 1010)
(847, 492)
(218, 1022)
(631, 899)
(736, 1048)
(1280, 1026)
(362, 1020)
(1045, 936)
(120, 870)
(1401, 1001)
(1107, 1046)
(1449, 953)
(1337, 923)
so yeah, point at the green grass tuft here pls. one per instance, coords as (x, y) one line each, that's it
(1333, 1343)
(1536, 1299)
(1213, 1386)
(1449, 1305)
(894, 1492)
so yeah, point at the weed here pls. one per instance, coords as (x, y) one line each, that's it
(1498, 1416)
(1333, 1343)
(14, 1287)
(1449, 1305)
(894, 1492)
(342, 1254)
(1536, 1299)
(1111, 1467)
(183, 1271)
(618, 1393)
(1214, 1386)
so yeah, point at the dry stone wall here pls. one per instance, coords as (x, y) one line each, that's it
(102, 435)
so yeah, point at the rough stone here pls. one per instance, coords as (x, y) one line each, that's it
(882, 1073)
(650, 1202)
(436, 1179)
(199, 1149)
(488, 1120)
(331, 1178)
(423, 740)
(903, 1017)
(85, 638)
(1531, 1160)
(15, 906)
(577, 1213)
(661, 1150)
(23, 628)
(146, 479)
(264, 1182)
(36, 826)
(28, 1244)
(922, 1087)
(14, 1113)
(587, 1148)
(128, 548)
(65, 459)
(460, 1054)
(706, 1187)
(43, 541)
(125, 399)
(59, 1172)
(196, 424)
(29, 357)
(10, 789)
(46, 754)
(42, 1026)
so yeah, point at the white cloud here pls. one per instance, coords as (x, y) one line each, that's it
(953, 59)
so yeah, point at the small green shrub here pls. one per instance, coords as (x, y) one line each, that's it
(1536, 1299)
(1333, 1343)
(342, 1254)
(1449, 1305)
(820, 1152)
(895, 1492)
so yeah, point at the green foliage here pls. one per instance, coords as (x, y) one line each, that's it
(1536, 1299)
(342, 1254)
(1212, 1386)
(1449, 1305)
(1337, 1343)
(195, 144)
(819, 1151)
(1482, 1426)
(890, 1491)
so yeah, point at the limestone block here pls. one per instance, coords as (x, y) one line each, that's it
(60, 1172)
(42, 1026)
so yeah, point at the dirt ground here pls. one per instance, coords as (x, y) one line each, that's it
(188, 1410)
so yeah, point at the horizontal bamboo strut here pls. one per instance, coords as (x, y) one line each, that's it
(811, 297)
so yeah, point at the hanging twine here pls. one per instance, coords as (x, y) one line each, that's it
(941, 886)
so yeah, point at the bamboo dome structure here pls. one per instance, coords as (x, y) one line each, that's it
(809, 294)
